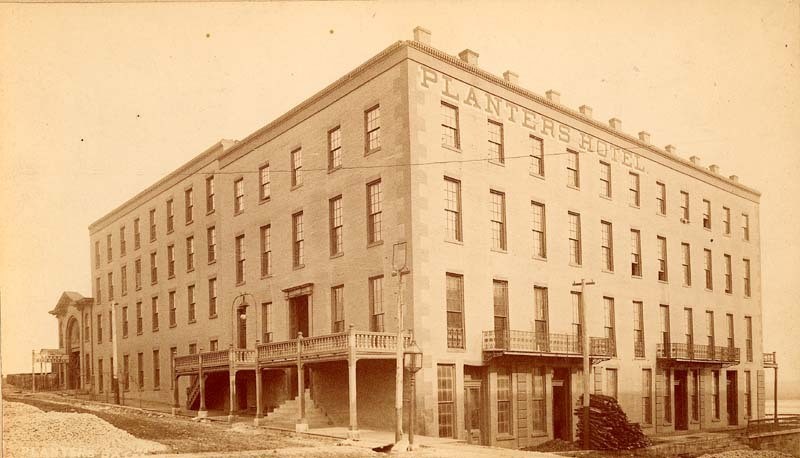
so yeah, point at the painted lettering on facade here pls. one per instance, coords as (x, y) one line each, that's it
(541, 125)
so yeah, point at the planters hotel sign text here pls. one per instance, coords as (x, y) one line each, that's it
(538, 123)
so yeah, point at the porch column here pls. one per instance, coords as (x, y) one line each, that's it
(352, 433)
(259, 406)
(232, 390)
(301, 425)
(202, 379)
(176, 406)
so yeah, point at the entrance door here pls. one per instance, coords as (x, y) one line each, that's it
(298, 316)
(473, 418)
(732, 395)
(74, 370)
(561, 404)
(681, 400)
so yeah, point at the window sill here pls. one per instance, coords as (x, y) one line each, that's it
(156, 389)
(572, 264)
(213, 261)
(240, 283)
(298, 266)
(189, 223)
(138, 333)
(634, 206)
(296, 186)
(264, 277)
(171, 277)
(456, 350)
(173, 325)
(124, 294)
(190, 270)
(606, 271)
(153, 283)
(505, 437)
(724, 234)
(497, 163)
(664, 282)
(337, 255)
(499, 250)
(605, 197)
(237, 213)
(454, 242)
(729, 293)
(710, 290)
(539, 434)
(170, 231)
(663, 215)
(576, 188)
(639, 277)
(539, 258)
(372, 244)
(264, 200)
(536, 175)
(212, 316)
(192, 321)
(210, 212)
(687, 286)
(454, 149)
(333, 169)
(372, 151)
(155, 329)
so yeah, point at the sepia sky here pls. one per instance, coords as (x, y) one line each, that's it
(98, 101)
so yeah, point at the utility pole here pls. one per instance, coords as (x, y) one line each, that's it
(585, 352)
(400, 268)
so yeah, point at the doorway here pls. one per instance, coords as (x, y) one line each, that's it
(561, 404)
(298, 316)
(732, 394)
(473, 415)
(681, 396)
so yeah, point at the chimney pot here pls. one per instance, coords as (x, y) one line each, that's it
(714, 168)
(615, 123)
(734, 178)
(586, 110)
(511, 77)
(422, 35)
(553, 96)
(469, 56)
(671, 149)
(695, 160)
(644, 136)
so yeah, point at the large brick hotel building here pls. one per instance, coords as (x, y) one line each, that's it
(503, 199)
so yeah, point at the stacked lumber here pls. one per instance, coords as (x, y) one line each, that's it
(609, 428)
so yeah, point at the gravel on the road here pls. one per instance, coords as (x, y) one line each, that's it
(29, 432)
(748, 454)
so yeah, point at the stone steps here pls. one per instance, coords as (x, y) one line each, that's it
(286, 414)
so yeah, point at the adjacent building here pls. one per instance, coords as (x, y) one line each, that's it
(274, 265)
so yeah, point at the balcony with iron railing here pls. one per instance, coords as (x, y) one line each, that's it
(770, 361)
(513, 342)
(693, 353)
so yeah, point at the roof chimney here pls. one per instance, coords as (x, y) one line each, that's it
(511, 77)
(644, 136)
(671, 149)
(586, 110)
(734, 178)
(469, 56)
(714, 168)
(422, 35)
(615, 123)
(553, 96)
(695, 160)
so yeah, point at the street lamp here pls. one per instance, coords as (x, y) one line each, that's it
(241, 316)
(412, 360)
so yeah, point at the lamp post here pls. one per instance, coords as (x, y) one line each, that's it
(585, 353)
(412, 360)
(399, 268)
(243, 316)
(235, 316)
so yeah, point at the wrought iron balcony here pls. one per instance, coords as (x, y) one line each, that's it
(679, 352)
(531, 343)
(770, 361)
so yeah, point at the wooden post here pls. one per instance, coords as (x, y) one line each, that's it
(352, 433)
(176, 406)
(398, 392)
(232, 382)
(33, 370)
(259, 406)
(301, 425)
(585, 352)
(202, 379)
(775, 390)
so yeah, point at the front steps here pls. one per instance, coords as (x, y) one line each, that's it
(286, 415)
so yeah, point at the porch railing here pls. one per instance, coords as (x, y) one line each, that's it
(550, 343)
(215, 359)
(694, 352)
(330, 344)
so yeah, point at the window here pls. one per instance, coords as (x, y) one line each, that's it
(173, 312)
(538, 398)
(210, 201)
(139, 320)
(666, 341)
(156, 370)
(376, 304)
(170, 215)
(372, 124)
(123, 249)
(137, 235)
(124, 322)
(445, 381)
(684, 206)
(171, 261)
(192, 348)
(211, 240)
(96, 254)
(612, 385)
(240, 258)
(707, 267)
(706, 214)
(748, 404)
(686, 264)
(608, 324)
(710, 339)
(140, 370)
(153, 268)
(574, 238)
(662, 259)
(605, 179)
(126, 382)
(154, 312)
(266, 250)
(238, 196)
(688, 319)
(500, 294)
(661, 198)
(633, 189)
(137, 274)
(263, 182)
(496, 153)
(266, 322)
(213, 345)
(110, 286)
(189, 253)
(745, 226)
(715, 394)
(298, 253)
(538, 225)
(577, 321)
(188, 198)
(86, 327)
(123, 276)
(192, 308)
(729, 320)
(607, 245)
(497, 218)
(100, 381)
(537, 156)
(455, 310)
(374, 212)
(452, 209)
(726, 220)
(746, 268)
(647, 396)
(541, 319)
(152, 225)
(636, 253)
(450, 135)
(638, 329)
(335, 148)
(728, 274)
(212, 297)
(109, 249)
(503, 401)
(337, 309)
(335, 222)
(748, 340)
(573, 169)
(99, 328)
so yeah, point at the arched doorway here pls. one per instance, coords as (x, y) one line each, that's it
(73, 347)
